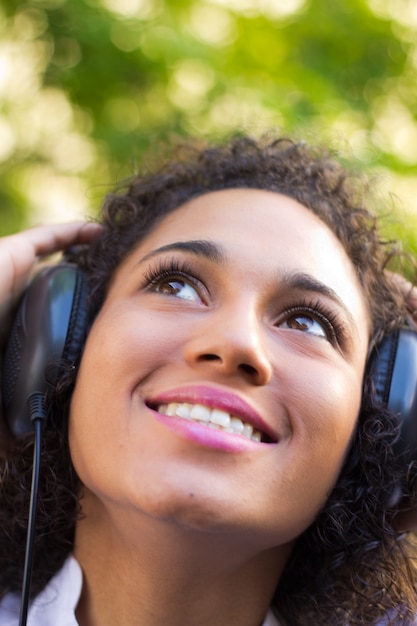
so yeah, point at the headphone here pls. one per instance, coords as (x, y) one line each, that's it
(48, 334)
(50, 329)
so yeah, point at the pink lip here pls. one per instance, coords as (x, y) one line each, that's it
(206, 437)
(216, 399)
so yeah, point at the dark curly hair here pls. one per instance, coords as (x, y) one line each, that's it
(350, 566)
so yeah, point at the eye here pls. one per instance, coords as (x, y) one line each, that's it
(179, 288)
(314, 318)
(175, 278)
(307, 323)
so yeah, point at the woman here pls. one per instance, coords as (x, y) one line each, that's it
(217, 455)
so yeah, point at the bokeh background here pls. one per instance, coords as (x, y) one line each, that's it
(87, 87)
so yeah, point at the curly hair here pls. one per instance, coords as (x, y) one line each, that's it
(350, 566)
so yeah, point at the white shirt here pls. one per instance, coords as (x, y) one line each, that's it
(56, 604)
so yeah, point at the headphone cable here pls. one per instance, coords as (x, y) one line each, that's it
(37, 410)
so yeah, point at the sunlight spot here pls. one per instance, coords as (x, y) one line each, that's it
(242, 110)
(52, 111)
(402, 188)
(5, 68)
(212, 25)
(57, 198)
(190, 83)
(395, 129)
(350, 129)
(70, 153)
(29, 24)
(402, 11)
(7, 139)
(139, 9)
(274, 9)
(22, 64)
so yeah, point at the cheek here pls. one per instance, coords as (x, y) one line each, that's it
(324, 413)
(323, 419)
(125, 341)
(123, 348)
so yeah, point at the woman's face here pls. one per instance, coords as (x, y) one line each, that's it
(221, 381)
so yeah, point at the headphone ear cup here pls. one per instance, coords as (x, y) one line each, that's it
(393, 370)
(49, 332)
(382, 366)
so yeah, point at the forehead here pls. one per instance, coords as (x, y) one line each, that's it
(270, 216)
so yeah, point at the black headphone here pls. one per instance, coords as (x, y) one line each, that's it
(48, 333)
(51, 326)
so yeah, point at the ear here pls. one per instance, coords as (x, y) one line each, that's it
(49, 329)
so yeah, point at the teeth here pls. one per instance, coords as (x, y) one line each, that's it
(170, 409)
(236, 424)
(221, 418)
(248, 430)
(184, 410)
(213, 418)
(200, 413)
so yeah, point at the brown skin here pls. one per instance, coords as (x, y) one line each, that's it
(160, 503)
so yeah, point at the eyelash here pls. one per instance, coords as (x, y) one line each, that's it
(171, 269)
(333, 325)
(174, 268)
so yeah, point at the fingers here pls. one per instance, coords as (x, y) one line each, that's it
(19, 252)
(53, 238)
(47, 239)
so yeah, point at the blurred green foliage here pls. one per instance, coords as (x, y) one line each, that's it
(88, 86)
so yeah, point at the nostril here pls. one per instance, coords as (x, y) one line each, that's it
(210, 357)
(244, 367)
(248, 369)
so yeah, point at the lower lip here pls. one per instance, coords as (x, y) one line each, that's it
(206, 437)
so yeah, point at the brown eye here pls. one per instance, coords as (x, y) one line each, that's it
(178, 288)
(306, 323)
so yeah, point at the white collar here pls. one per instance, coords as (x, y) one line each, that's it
(56, 604)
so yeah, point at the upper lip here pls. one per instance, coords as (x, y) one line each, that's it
(215, 398)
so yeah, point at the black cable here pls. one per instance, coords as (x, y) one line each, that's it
(37, 415)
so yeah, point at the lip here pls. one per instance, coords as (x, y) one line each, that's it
(216, 399)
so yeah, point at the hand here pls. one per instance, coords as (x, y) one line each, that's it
(19, 254)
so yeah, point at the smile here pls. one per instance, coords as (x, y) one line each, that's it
(212, 418)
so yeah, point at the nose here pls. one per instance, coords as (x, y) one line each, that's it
(231, 343)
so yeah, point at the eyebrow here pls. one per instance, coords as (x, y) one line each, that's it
(199, 247)
(307, 282)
